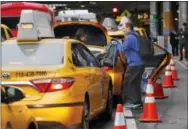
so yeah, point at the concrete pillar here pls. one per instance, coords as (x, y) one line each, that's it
(153, 19)
(167, 22)
(183, 12)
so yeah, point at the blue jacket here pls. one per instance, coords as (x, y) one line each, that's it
(130, 48)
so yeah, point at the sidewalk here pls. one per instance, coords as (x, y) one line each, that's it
(177, 57)
(183, 61)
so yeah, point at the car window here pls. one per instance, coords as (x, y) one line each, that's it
(89, 56)
(9, 33)
(12, 92)
(28, 54)
(77, 56)
(158, 50)
(3, 97)
(9, 21)
(95, 36)
(3, 37)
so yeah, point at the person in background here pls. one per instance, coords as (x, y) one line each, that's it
(131, 94)
(183, 41)
(174, 43)
(81, 35)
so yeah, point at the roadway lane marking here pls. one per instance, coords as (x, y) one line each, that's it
(183, 65)
(130, 121)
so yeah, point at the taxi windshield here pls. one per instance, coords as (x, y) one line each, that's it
(29, 54)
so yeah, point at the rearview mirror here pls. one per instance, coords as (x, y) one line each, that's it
(14, 94)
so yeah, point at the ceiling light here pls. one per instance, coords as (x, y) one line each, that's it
(93, 3)
(64, 5)
(82, 6)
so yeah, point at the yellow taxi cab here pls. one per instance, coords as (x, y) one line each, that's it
(112, 28)
(97, 40)
(64, 83)
(13, 114)
(5, 33)
(141, 31)
(118, 34)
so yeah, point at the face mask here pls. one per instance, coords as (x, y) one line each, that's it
(123, 27)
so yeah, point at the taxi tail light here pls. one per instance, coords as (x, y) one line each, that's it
(106, 68)
(55, 84)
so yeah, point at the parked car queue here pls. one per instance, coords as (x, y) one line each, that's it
(67, 90)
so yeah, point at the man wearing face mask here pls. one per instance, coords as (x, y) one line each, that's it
(131, 94)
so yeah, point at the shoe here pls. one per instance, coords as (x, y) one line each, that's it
(180, 59)
(132, 106)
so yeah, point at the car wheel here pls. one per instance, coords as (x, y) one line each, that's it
(85, 116)
(109, 106)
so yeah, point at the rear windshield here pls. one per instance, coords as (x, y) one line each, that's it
(95, 36)
(32, 54)
(3, 37)
(11, 22)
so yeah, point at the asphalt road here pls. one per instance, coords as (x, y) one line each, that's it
(172, 111)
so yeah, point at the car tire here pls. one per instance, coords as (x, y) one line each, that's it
(85, 115)
(109, 107)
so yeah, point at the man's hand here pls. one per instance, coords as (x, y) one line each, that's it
(103, 51)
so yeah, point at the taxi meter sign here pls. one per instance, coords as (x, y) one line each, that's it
(34, 25)
(27, 25)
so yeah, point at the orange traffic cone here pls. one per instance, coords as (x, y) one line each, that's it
(168, 81)
(149, 113)
(173, 69)
(158, 90)
(184, 52)
(119, 118)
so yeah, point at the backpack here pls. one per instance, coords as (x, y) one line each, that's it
(145, 47)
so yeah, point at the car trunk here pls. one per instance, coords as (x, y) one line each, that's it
(95, 35)
(32, 66)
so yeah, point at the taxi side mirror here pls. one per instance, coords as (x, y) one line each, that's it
(13, 94)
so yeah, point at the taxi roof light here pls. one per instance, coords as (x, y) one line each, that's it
(34, 25)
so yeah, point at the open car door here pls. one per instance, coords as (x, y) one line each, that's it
(156, 62)
(156, 59)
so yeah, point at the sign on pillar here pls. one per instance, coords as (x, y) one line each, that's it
(167, 22)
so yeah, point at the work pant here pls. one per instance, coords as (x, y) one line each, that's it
(185, 46)
(132, 85)
(175, 49)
